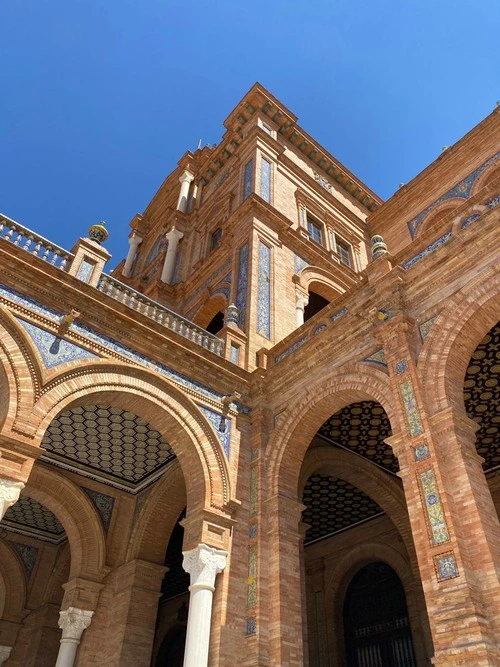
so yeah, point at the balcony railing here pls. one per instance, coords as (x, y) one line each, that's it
(33, 243)
(49, 252)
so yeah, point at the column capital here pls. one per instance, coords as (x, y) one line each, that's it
(174, 235)
(9, 494)
(186, 177)
(135, 239)
(73, 622)
(203, 564)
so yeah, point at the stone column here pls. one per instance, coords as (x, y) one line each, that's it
(203, 564)
(134, 242)
(301, 301)
(173, 237)
(9, 494)
(4, 653)
(185, 180)
(73, 622)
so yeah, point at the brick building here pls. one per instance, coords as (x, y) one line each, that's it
(288, 380)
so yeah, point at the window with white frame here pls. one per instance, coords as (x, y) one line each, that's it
(344, 252)
(315, 230)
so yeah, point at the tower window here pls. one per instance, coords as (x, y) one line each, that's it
(215, 239)
(344, 252)
(315, 231)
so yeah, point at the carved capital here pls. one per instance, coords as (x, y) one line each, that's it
(203, 564)
(9, 494)
(73, 622)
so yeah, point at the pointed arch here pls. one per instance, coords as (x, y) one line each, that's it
(14, 583)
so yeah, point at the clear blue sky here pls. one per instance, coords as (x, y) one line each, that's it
(100, 98)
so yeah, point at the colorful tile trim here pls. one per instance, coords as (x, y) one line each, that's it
(299, 263)
(377, 357)
(248, 179)
(470, 220)
(434, 508)
(242, 287)
(292, 348)
(252, 531)
(264, 291)
(28, 556)
(425, 327)
(85, 271)
(251, 626)
(493, 202)
(265, 180)
(446, 566)
(104, 505)
(339, 313)
(319, 329)
(53, 349)
(411, 409)
(427, 251)
(421, 452)
(462, 191)
(222, 426)
(401, 367)
(252, 577)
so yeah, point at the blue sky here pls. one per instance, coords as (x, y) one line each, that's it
(100, 99)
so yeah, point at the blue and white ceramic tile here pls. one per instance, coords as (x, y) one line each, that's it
(411, 408)
(377, 357)
(264, 291)
(427, 251)
(248, 179)
(85, 271)
(289, 350)
(401, 367)
(446, 566)
(338, 314)
(265, 180)
(242, 287)
(219, 422)
(299, 263)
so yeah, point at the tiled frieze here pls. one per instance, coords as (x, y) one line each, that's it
(252, 577)
(468, 221)
(289, 350)
(264, 291)
(104, 505)
(242, 286)
(318, 329)
(428, 250)
(222, 426)
(411, 408)
(340, 313)
(434, 508)
(462, 191)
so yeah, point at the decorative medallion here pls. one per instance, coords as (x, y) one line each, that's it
(446, 566)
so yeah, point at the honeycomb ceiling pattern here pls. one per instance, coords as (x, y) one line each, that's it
(332, 505)
(482, 396)
(31, 518)
(362, 427)
(112, 442)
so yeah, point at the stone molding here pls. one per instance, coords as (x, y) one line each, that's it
(9, 494)
(204, 563)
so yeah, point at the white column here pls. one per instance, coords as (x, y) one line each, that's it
(73, 622)
(173, 237)
(9, 494)
(4, 653)
(185, 180)
(203, 564)
(301, 302)
(133, 241)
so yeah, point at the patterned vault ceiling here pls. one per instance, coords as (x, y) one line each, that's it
(107, 443)
(482, 397)
(31, 518)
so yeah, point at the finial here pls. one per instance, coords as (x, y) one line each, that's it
(445, 148)
(378, 246)
(232, 315)
(98, 232)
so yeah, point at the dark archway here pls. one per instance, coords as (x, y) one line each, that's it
(376, 625)
(216, 323)
(314, 305)
(171, 652)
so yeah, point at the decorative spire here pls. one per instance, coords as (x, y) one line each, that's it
(98, 232)
(378, 247)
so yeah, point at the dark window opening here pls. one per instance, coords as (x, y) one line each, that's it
(315, 304)
(377, 629)
(315, 231)
(215, 239)
(216, 323)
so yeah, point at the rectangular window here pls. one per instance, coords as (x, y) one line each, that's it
(265, 180)
(267, 129)
(315, 231)
(215, 238)
(248, 179)
(344, 252)
(235, 353)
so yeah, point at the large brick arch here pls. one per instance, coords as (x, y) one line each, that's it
(163, 405)
(12, 573)
(78, 516)
(291, 438)
(386, 491)
(157, 519)
(448, 347)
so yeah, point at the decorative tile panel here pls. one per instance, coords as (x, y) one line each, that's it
(222, 426)
(401, 367)
(319, 329)
(248, 179)
(85, 271)
(251, 625)
(252, 577)
(242, 287)
(493, 202)
(299, 263)
(411, 408)
(462, 191)
(289, 350)
(265, 180)
(338, 314)
(321, 180)
(252, 531)
(53, 349)
(104, 505)
(433, 507)
(27, 554)
(427, 251)
(264, 291)
(446, 566)
(377, 357)
(234, 354)
(425, 327)
(468, 221)
(421, 452)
